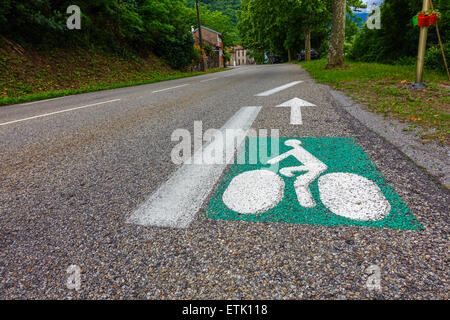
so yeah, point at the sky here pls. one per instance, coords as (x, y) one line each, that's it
(376, 2)
(371, 2)
(362, 13)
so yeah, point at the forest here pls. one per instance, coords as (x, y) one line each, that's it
(287, 27)
(128, 28)
(163, 27)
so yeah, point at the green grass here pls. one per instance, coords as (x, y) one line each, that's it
(106, 86)
(386, 89)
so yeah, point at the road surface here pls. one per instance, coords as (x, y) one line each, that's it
(88, 180)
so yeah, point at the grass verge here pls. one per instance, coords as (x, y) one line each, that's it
(91, 88)
(386, 89)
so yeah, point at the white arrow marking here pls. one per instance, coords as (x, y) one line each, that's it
(296, 105)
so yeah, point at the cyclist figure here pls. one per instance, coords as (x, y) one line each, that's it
(310, 164)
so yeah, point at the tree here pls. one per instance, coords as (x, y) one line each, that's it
(315, 15)
(217, 21)
(269, 25)
(227, 7)
(281, 26)
(337, 40)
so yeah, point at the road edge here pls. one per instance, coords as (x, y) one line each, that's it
(430, 158)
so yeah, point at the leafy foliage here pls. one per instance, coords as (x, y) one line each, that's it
(433, 58)
(217, 21)
(228, 7)
(398, 38)
(279, 26)
(125, 26)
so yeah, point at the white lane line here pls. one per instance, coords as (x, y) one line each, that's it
(56, 112)
(239, 71)
(209, 80)
(278, 89)
(176, 202)
(39, 101)
(183, 85)
(236, 73)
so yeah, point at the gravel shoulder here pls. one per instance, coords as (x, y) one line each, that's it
(434, 158)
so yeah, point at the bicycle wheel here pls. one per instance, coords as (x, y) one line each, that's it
(254, 192)
(353, 197)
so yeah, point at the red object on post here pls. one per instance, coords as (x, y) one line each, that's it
(423, 20)
(432, 19)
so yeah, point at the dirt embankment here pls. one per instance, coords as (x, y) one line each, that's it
(28, 71)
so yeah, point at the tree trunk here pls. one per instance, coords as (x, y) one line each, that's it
(308, 43)
(337, 40)
(289, 55)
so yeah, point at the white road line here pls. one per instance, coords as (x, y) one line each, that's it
(206, 80)
(39, 101)
(183, 85)
(56, 112)
(176, 202)
(236, 73)
(278, 89)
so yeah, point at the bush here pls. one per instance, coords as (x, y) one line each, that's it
(226, 57)
(259, 56)
(323, 49)
(125, 27)
(197, 55)
(178, 52)
(405, 61)
(368, 47)
(433, 58)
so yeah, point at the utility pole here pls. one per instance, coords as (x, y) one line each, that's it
(200, 36)
(419, 84)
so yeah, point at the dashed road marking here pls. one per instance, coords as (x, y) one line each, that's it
(278, 89)
(176, 201)
(46, 100)
(171, 88)
(57, 112)
(206, 80)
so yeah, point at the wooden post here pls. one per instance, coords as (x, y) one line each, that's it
(421, 51)
(200, 36)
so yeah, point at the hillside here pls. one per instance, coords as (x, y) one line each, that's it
(119, 43)
(29, 74)
(228, 7)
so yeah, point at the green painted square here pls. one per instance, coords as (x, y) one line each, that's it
(340, 155)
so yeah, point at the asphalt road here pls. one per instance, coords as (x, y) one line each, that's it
(74, 170)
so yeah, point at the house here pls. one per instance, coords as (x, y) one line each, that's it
(239, 57)
(215, 40)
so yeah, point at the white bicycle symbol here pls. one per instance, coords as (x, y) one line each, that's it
(344, 194)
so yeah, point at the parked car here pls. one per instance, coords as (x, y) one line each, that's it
(276, 59)
(314, 55)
